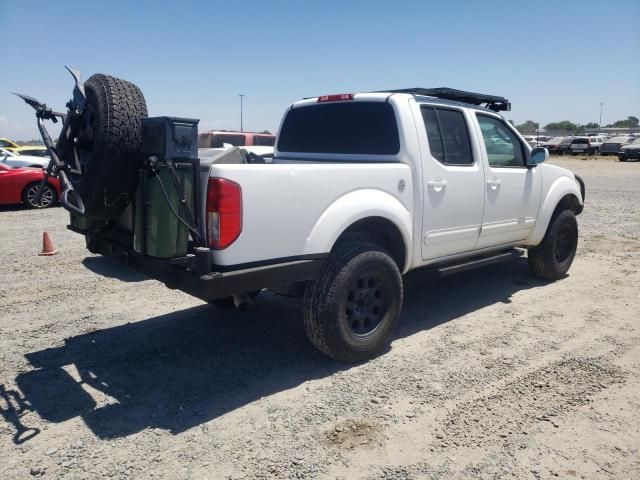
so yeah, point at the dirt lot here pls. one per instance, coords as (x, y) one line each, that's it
(492, 374)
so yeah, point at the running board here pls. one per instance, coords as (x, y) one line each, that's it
(450, 269)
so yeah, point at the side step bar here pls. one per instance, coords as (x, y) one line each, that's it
(450, 269)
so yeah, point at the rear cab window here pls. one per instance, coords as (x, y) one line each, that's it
(349, 128)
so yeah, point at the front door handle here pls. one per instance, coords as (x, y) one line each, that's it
(437, 185)
(494, 184)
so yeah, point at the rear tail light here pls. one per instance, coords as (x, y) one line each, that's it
(224, 212)
(340, 97)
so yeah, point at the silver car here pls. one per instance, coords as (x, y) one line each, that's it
(14, 160)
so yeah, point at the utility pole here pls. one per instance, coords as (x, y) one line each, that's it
(241, 95)
(600, 122)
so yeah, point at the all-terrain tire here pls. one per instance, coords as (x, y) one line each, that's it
(109, 155)
(552, 258)
(357, 281)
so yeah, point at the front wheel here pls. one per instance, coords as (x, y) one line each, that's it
(354, 303)
(30, 196)
(552, 258)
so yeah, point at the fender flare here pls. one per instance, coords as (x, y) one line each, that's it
(354, 206)
(560, 188)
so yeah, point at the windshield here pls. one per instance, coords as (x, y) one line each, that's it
(619, 140)
(364, 128)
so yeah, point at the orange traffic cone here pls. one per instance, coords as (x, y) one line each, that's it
(47, 245)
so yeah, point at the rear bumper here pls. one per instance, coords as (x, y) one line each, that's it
(180, 273)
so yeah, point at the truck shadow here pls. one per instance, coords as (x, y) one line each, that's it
(109, 267)
(182, 369)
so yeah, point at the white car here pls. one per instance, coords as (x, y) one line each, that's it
(14, 160)
(363, 188)
(586, 144)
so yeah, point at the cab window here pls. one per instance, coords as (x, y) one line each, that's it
(447, 135)
(503, 147)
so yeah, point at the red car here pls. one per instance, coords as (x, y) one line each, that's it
(20, 185)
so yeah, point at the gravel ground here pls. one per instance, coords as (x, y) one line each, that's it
(492, 374)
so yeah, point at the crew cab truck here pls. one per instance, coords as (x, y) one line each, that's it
(362, 189)
(367, 187)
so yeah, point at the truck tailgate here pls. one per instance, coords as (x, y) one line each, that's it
(288, 208)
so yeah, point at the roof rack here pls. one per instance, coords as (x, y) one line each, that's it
(491, 102)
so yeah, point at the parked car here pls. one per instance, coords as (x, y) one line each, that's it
(35, 150)
(217, 139)
(363, 188)
(589, 145)
(612, 146)
(15, 160)
(557, 145)
(20, 185)
(630, 151)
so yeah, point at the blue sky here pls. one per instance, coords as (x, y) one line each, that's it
(553, 60)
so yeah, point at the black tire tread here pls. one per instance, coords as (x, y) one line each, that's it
(322, 292)
(540, 258)
(107, 186)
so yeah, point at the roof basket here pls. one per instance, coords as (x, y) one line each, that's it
(491, 102)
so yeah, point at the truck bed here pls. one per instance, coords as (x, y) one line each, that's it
(297, 210)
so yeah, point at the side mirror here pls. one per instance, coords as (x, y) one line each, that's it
(538, 155)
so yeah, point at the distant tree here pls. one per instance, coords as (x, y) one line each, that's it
(590, 125)
(528, 127)
(564, 125)
(630, 122)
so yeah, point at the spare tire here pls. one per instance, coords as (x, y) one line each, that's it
(105, 172)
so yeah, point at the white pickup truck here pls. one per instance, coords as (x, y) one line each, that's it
(362, 189)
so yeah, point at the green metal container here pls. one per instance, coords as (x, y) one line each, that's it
(165, 236)
(81, 222)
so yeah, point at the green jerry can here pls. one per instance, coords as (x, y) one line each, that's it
(157, 230)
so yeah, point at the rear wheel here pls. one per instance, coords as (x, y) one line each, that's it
(30, 196)
(552, 258)
(354, 303)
